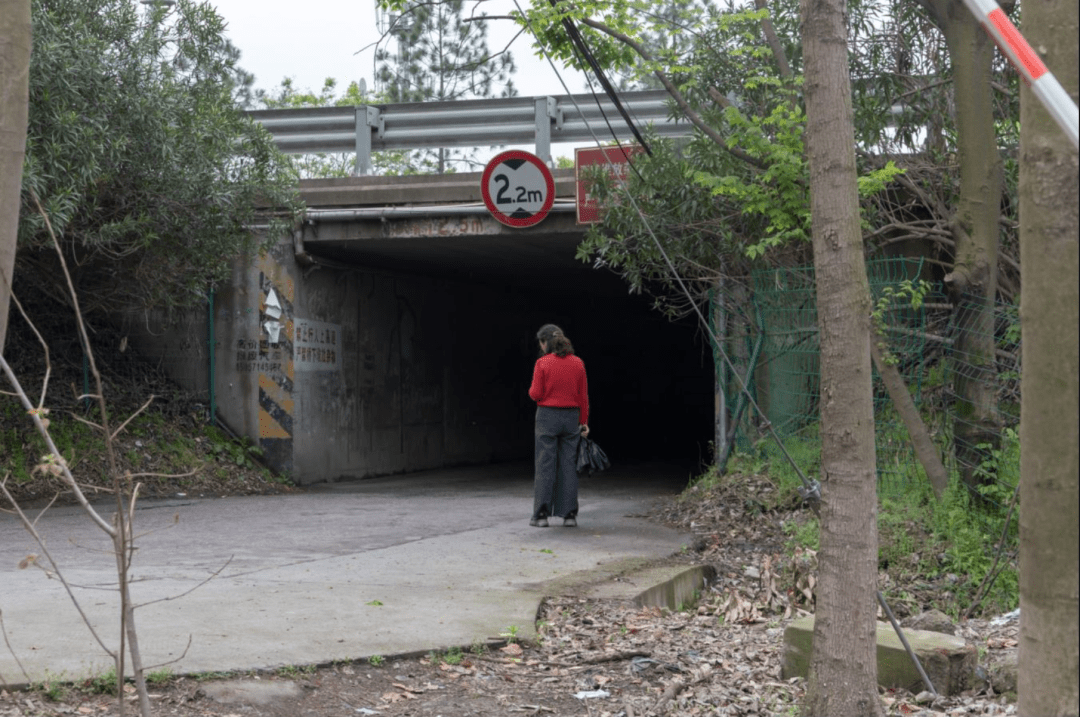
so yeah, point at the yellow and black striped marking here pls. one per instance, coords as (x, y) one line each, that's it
(276, 296)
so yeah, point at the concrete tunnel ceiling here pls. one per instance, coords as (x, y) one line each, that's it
(403, 231)
(526, 258)
(644, 370)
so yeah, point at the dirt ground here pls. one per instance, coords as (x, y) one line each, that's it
(595, 658)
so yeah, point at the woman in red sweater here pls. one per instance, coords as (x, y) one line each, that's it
(561, 393)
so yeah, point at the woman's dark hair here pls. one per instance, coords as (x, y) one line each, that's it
(556, 341)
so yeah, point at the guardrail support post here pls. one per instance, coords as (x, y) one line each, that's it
(368, 119)
(546, 111)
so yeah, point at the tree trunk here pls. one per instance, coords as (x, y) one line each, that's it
(14, 92)
(975, 226)
(1049, 460)
(843, 668)
(923, 445)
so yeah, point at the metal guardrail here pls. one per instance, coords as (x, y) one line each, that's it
(464, 123)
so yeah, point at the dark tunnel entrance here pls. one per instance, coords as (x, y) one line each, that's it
(650, 379)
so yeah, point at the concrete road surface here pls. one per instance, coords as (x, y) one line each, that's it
(385, 566)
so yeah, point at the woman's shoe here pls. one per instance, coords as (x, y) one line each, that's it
(569, 522)
(539, 522)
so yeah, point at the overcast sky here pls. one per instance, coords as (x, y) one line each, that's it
(312, 40)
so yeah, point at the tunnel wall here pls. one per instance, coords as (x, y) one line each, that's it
(372, 373)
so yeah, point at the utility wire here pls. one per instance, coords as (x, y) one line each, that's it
(601, 75)
(811, 490)
(579, 42)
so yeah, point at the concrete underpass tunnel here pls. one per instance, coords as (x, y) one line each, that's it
(474, 304)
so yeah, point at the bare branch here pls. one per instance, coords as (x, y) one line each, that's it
(921, 89)
(183, 654)
(193, 589)
(83, 420)
(81, 324)
(45, 509)
(44, 347)
(7, 642)
(65, 471)
(132, 417)
(191, 472)
(719, 99)
(774, 42)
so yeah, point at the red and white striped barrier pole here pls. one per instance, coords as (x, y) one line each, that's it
(1030, 66)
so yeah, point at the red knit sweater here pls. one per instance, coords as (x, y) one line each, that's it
(560, 383)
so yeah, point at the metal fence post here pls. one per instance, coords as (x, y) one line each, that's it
(367, 120)
(719, 320)
(546, 111)
(211, 339)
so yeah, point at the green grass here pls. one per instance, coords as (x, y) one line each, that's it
(294, 672)
(511, 634)
(919, 536)
(165, 447)
(211, 676)
(243, 454)
(21, 446)
(159, 677)
(53, 687)
(803, 533)
(103, 684)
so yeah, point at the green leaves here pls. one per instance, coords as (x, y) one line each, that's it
(721, 202)
(878, 179)
(140, 154)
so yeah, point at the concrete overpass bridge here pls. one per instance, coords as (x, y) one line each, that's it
(394, 332)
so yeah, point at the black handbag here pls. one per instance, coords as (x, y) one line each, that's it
(590, 457)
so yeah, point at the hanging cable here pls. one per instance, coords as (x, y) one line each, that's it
(600, 106)
(579, 42)
(811, 490)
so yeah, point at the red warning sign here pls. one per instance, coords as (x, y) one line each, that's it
(617, 160)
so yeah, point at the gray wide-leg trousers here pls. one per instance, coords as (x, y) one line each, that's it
(556, 480)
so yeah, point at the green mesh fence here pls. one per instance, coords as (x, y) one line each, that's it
(780, 340)
(959, 354)
(979, 396)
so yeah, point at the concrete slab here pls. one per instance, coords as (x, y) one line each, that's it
(948, 660)
(386, 566)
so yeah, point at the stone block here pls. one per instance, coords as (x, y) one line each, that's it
(948, 660)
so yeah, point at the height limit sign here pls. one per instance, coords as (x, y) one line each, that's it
(518, 188)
